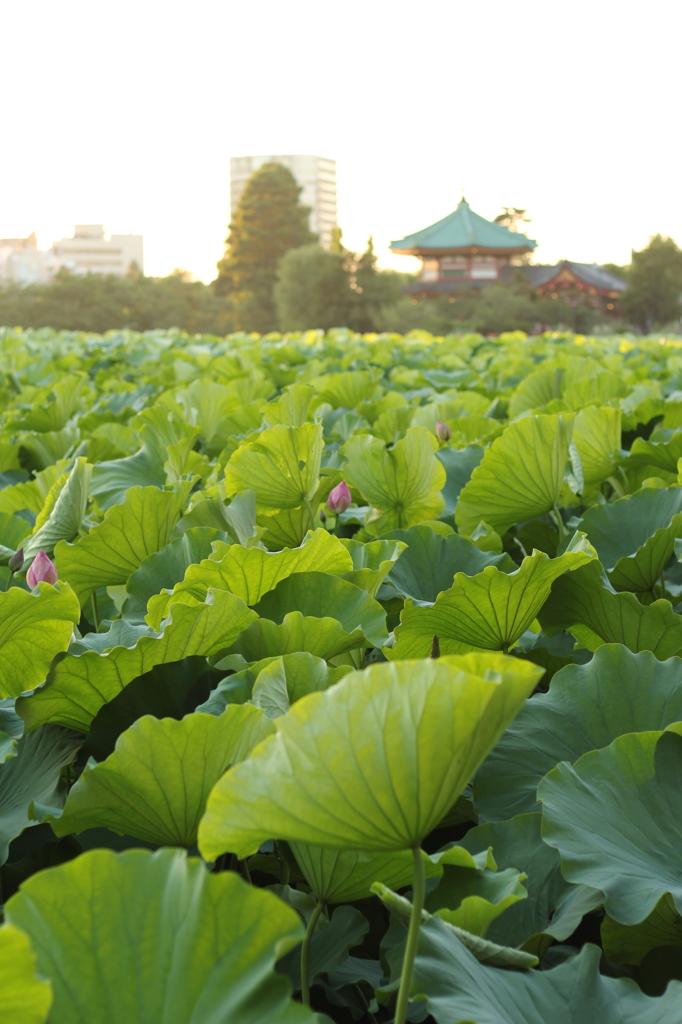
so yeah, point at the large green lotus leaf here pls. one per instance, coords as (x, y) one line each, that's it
(112, 551)
(635, 536)
(154, 938)
(165, 568)
(458, 989)
(346, 390)
(31, 495)
(111, 480)
(603, 389)
(586, 708)
(660, 454)
(42, 450)
(371, 562)
(25, 998)
(324, 596)
(343, 876)
(204, 404)
(520, 477)
(282, 466)
(33, 775)
(34, 627)
(63, 517)
(616, 819)
(431, 562)
(172, 690)
(582, 603)
(324, 637)
(79, 685)
(373, 763)
(596, 435)
(489, 611)
(156, 783)
(629, 944)
(553, 908)
(285, 680)
(291, 409)
(459, 464)
(252, 572)
(402, 484)
(550, 381)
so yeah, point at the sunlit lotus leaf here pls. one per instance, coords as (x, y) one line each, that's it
(520, 476)
(373, 763)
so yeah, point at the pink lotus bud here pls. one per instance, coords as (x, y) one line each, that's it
(443, 432)
(41, 570)
(339, 499)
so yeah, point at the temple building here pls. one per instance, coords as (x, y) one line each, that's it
(464, 252)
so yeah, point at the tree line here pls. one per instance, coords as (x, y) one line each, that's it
(275, 276)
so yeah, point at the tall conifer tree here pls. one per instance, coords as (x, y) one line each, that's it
(268, 222)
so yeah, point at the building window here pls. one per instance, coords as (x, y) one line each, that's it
(454, 266)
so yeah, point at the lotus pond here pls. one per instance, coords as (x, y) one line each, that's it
(340, 679)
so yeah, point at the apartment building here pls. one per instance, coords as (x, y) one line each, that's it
(90, 251)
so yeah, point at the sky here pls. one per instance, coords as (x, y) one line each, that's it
(127, 114)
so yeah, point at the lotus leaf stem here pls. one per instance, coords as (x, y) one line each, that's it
(305, 953)
(418, 894)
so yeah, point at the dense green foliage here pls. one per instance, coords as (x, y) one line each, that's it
(341, 679)
(93, 302)
(654, 277)
(267, 223)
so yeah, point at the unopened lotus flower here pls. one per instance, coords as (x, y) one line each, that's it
(16, 561)
(443, 432)
(339, 498)
(41, 570)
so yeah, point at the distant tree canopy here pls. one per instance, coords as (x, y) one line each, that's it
(333, 287)
(653, 297)
(101, 303)
(269, 221)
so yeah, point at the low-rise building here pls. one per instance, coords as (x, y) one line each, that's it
(23, 263)
(464, 252)
(90, 251)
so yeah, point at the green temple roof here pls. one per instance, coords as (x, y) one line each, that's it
(463, 230)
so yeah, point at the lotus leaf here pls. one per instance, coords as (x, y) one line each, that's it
(615, 818)
(489, 611)
(285, 680)
(130, 532)
(215, 942)
(635, 536)
(155, 784)
(408, 737)
(429, 565)
(34, 776)
(282, 466)
(324, 596)
(582, 603)
(520, 476)
(34, 627)
(251, 572)
(586, 708)
(79, 685)
(402, 484)
(26, 998)
(458, 989)
(553, 908)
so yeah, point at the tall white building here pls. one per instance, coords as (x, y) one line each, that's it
(315, 174)
(90, 252)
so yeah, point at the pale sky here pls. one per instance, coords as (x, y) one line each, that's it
(127, 114)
